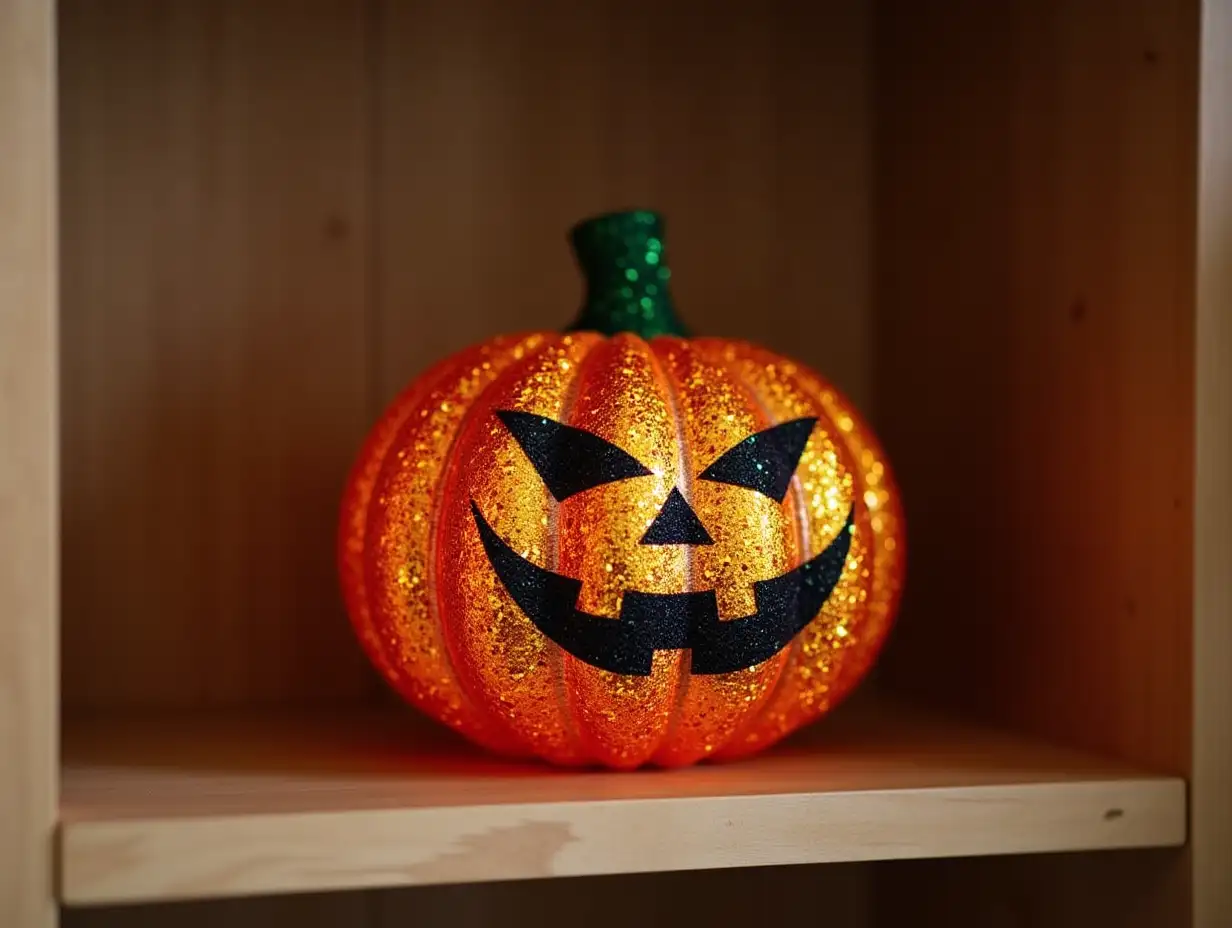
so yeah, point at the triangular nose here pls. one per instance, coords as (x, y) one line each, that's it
(677, 524)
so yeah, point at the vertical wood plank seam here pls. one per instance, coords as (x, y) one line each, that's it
(374, 17)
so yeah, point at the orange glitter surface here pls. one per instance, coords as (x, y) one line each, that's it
(621, 397)
(842, 463)
(392, 601)
(358, 495)
(754, 539)
(509, 665)
(441, 627)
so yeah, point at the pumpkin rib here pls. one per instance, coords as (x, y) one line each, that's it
(722, 352)
(361, 480)
(621, 718)
(716, 413)
(849, 666)
(570, 721)
(683, 463)
(435, 587)
(533, 345)
(862, 439)
(859, 439)
(503, 660)
(468, 716)
(764, 733)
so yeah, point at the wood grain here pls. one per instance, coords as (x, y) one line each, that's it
(1035, 364)
(231, 327)
(275, 214)
(239, 805)
(28, 459)
(1035, 361)
(501, 124)
(215, 376)
(1211, 809)
(478, 133)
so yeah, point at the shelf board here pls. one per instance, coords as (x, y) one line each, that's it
(195, 806)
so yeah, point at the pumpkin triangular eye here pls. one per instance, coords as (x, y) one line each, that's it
(569, 460)
(764, 462)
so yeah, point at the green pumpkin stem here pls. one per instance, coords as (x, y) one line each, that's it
(622, 258)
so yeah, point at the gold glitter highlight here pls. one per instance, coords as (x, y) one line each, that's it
(622, 719)
(841, 463)
(440, 626)
(403, 627)
(511, 666)
(754, 539)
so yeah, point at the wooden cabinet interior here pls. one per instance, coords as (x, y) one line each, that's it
(986, 222)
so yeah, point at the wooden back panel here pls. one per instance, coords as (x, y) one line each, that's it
(1035, 336)
(277, 214)
(214, 344)
(1034, 361)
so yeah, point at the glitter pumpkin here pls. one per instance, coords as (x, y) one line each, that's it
(621, 545)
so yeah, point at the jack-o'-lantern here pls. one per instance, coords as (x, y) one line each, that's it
(620, 545)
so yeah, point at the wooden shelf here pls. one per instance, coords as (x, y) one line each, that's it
(208, 806)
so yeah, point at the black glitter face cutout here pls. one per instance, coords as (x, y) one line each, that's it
(652, 622)
(569, 460)
(764, 462)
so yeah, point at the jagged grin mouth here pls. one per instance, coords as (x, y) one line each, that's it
(650, 622)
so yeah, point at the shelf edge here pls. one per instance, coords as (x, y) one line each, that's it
(126, 861)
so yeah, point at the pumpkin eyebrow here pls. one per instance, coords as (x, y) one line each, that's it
(568, 459)
(764, 462)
